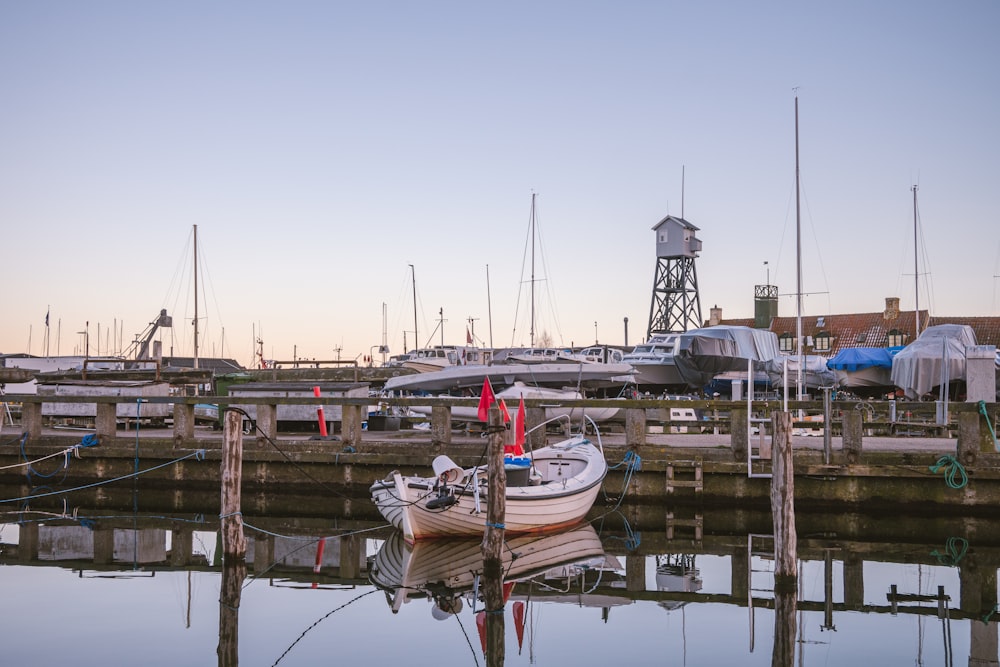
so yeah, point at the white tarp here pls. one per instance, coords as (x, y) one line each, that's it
(937, 356)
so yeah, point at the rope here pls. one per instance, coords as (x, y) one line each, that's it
(199, 455)
(632, 463)
(993, 433)
(954, 472)
(955, 549)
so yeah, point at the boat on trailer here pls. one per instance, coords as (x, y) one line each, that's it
(548, 488)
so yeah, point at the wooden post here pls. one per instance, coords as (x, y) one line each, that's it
(106, 421)
(969, 438)
(492, 548)
(31, 419)
(441, 425)
(739, 435)
(853, 434)
(783, 503)
(635, 428)
(183, 423)
(783, 650)
(234, 544)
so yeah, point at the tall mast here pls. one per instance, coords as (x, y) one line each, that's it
(489, 306)
(196, 296)
(798, 260)
(916, 274)
(532, 225)
(416, 338)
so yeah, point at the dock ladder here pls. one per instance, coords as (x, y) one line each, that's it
(764, 432)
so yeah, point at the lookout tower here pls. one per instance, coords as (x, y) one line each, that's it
(675, 306)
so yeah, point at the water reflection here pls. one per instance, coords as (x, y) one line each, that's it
(690, 586)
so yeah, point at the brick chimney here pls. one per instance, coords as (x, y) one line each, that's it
(714, 316)
(891, 308)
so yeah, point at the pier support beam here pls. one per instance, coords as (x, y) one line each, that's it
(441, 425)
(350, 425)
(783, 504)
(534, 417)
(106, 422)
(267, 423)
(854, 580)
(104, 546)
(970, 440)
(635, 428)
(181, 546)
(853, 435)
(183, 423)
(350, 556)
(31, 419)
(739, 434)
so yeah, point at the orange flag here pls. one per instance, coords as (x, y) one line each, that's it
(486, 399)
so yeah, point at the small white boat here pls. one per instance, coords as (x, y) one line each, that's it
(565, 374)
(556, 489)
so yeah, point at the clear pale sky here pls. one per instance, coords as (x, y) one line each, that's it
(323, 147)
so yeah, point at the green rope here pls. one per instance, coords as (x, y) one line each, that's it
(954, 472)
(955, 549)
(993, 433)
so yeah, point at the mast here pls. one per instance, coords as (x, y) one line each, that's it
(489, 306)
(916, 273)
(196, 296)
(416, 338)
(532, 225)
(798, 261)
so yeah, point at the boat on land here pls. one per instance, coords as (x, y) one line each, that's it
(935, 358)
(555, 488)
(553, 410)
(654, 364)
(816, 374)
(702, 354)
(453, 378)
(446, 571)
(865, 371)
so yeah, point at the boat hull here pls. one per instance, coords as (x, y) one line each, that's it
(567, 476)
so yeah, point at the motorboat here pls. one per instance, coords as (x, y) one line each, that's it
(702, 354)
(653, 362)
(565, 374)
(784, 369)
(935, 358)
(556, 488)
(865, 371)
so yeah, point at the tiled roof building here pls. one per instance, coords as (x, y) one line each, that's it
(828, 334)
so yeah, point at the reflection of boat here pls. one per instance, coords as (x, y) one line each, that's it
(557, 489)
(446, 570)
(653, 362)
(676, 573)
(701, 354)
(864, 370)
(518, 390)
(936, 357)
(564, 374)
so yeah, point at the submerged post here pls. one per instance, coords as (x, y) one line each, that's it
(783, 504)
(234, 544)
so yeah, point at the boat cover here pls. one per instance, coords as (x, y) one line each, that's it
(921, 365)
(857, 358)
(815, 372)
(704, 353)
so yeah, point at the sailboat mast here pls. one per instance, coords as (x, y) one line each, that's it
(532, 335)
(916, 273)
(196, 296)
(798, 260)
(416, 338)
(489, 304)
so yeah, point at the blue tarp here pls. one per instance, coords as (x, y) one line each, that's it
(856, 358)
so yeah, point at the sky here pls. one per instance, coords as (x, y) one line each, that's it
(329, 153)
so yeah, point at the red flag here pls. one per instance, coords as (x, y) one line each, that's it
(519, 622)
(481, 627)
(486, 399)
(468, 336)
(504, 412)
(519, 435)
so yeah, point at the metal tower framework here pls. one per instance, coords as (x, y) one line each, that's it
(676, 306)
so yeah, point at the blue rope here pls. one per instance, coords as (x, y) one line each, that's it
(495, 525)
(954, 472)
(632, 463)
(993, 433)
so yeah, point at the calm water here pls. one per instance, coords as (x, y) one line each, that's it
(109, 588)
